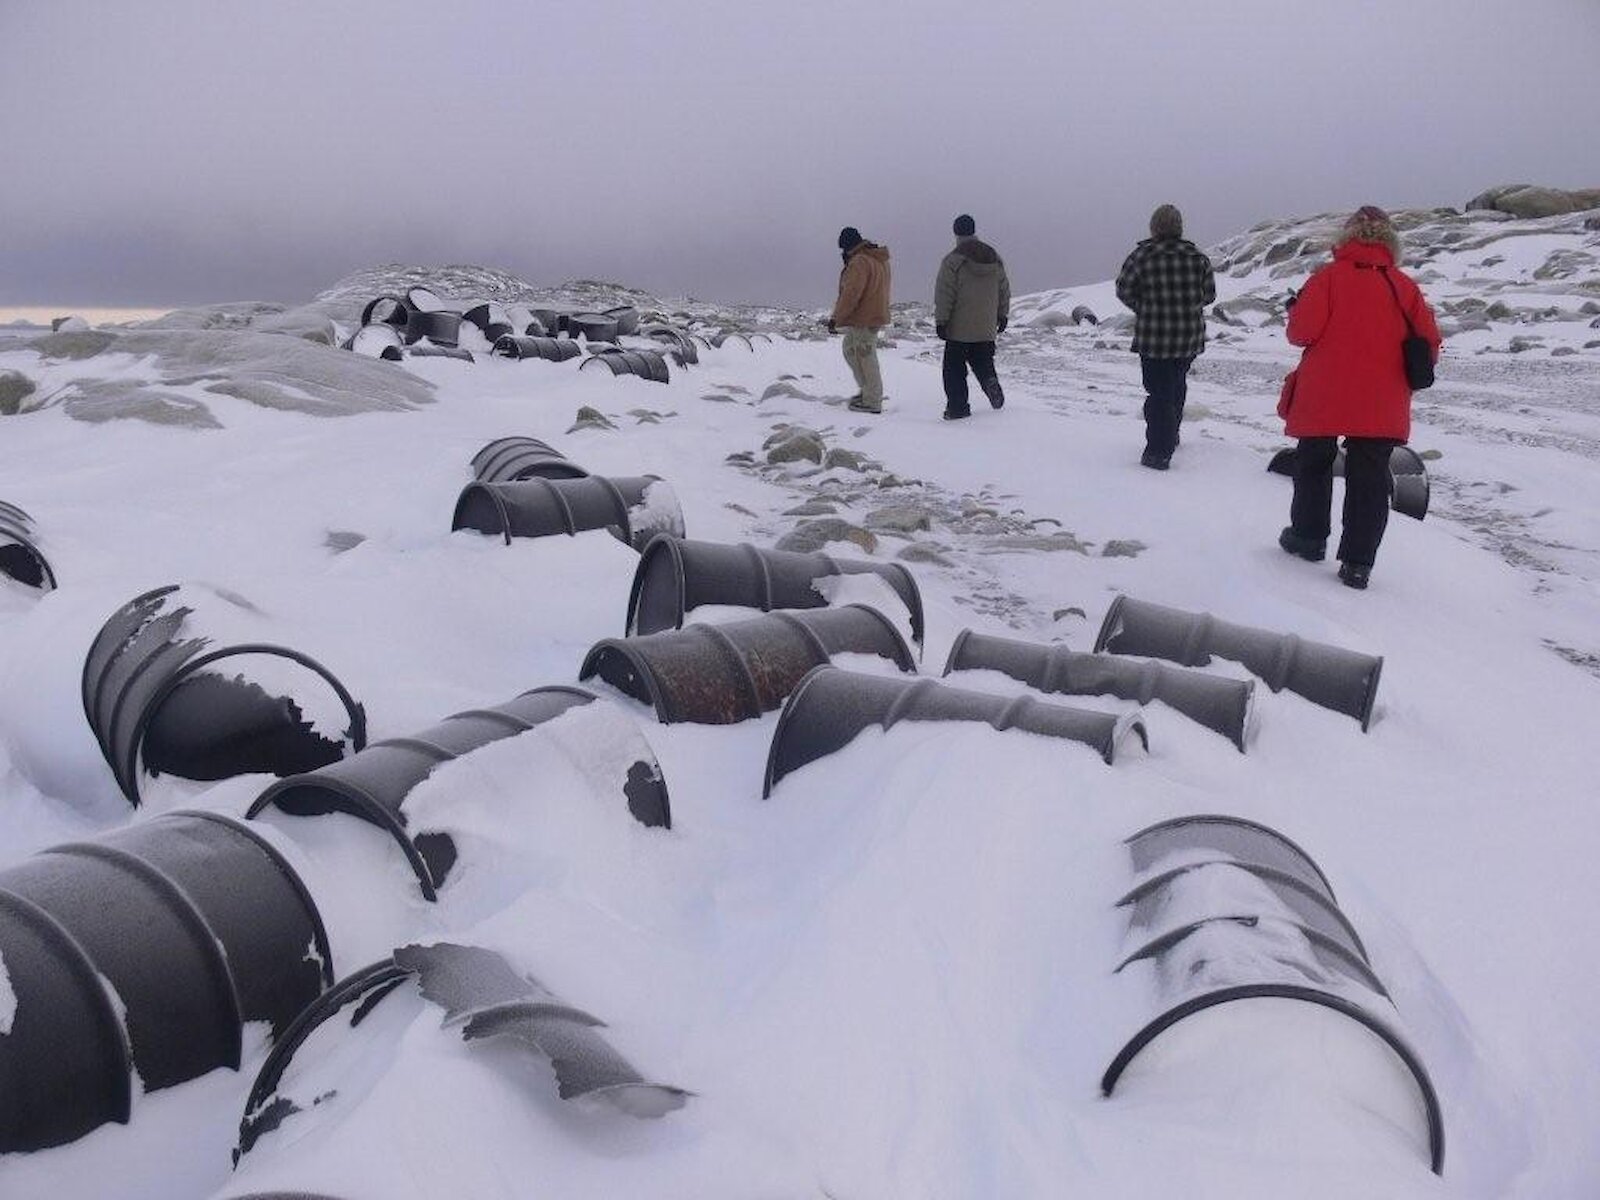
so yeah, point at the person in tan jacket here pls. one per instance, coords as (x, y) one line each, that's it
(861, 310)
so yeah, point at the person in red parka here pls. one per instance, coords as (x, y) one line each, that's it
(1351, 382)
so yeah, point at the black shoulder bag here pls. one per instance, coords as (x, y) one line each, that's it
(1415, 351)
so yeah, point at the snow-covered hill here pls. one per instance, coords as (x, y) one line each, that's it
(1501, 284)
(897, 976)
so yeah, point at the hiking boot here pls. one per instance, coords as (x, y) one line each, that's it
(991, 389)
(957, 414)
(857, 404)
(1309, 548)
(1154, 461)
(1354, 575)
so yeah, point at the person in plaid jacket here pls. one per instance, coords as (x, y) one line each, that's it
(1167, 282)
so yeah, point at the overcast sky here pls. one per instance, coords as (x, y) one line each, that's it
(166, 151)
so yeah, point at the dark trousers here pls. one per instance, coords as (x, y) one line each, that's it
(1366, 493)
(1166, 385)
(958, 356)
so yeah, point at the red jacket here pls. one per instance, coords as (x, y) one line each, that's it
(1351, 379)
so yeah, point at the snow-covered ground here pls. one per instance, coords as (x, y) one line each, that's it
(893, 978)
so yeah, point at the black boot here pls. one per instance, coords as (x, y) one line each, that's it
(1354, 575)
(1309, 548)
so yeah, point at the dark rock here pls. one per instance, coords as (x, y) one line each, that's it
(850, 460)
(590, 418)
(796, 448)
(921, 552)
(73, 345)
(811, 508)
(1123, 548)
(1282, 251)
(15, 387)
(1074, 611)
(1526, 200)
(1084, 315)
(810, 536)
(340, 540)
(900, 518)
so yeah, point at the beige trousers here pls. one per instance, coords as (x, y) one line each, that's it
(861, 352)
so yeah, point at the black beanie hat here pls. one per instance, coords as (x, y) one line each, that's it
(965, 226)
(849, 236)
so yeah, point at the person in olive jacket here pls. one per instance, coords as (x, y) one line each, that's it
(971, 306)
(1351, 318)
(861, 310)
(1167, 282)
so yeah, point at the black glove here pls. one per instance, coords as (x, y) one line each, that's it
(941, 331)
(1001, 327)
(831, 328)
(1289, 303)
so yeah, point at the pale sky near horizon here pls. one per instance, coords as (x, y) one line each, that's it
(187, 151)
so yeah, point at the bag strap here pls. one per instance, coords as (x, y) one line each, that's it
(1411, 330)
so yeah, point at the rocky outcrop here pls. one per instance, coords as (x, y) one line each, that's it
(1527, 200)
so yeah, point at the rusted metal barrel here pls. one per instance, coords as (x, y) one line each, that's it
(1220, 704)
(156, 699)
(1230, 910)
(374, 784)
(20, 556)
(646, 364)
(390, 310)
(510, 458)
(1409, 488)
(627, 318)
(483, 994)
(722, 674)
(550, 349)
(1343, 680)
(685, 351)
(634, 509)
(439, 327)
(592, 327)
(144, 950)
(429, 350)
(830, 707)
(676, 576)
(378, 340)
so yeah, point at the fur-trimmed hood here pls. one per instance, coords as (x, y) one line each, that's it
(977, 251)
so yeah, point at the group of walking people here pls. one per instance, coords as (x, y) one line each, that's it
(971, 306)
(1367, 336)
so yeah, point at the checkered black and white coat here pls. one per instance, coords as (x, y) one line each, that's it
(1168, 283)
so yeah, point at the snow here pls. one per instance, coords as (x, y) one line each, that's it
(895, 977)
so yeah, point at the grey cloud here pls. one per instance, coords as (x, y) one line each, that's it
(189, 151)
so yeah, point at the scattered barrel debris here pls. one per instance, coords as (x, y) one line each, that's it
(374, 784)
(145, 950)
(20, 556)
(1218, 703)
(1343, 680)
(1230, 910)
(676, 576)
(726, 673)
(483, 995)
(633, 509)
(830, 707)
(157, 699)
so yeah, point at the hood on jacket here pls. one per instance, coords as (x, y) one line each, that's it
(871, 250)
(974, 250)
(1366, 254)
